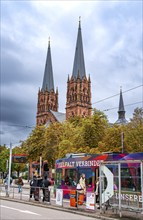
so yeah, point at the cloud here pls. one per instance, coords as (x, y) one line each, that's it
(112, 41)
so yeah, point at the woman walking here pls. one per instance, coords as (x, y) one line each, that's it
(20, 184)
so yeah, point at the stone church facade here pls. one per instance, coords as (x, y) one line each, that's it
(78, 99)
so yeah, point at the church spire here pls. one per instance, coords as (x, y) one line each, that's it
(79, 66)
(121, 103)
(48, 81)
(121, 111)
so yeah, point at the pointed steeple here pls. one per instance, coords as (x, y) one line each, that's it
(121, 103)
(48, 81)
(79, 66)
(121, 111)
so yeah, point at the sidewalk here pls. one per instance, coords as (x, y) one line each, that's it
(24, 198)
(109, 215)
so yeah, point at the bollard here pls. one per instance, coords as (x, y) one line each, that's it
(73, 198)
(13, 192)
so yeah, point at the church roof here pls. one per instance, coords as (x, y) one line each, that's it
(79, 66)
(48, 81)
(121, 121)
(61, 117)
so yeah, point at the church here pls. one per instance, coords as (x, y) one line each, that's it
(78, 97)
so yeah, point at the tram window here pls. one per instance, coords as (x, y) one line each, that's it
(128, 176)
(70, 177)
(58, 179)
(88, 175)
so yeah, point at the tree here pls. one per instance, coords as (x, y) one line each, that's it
(134, 131)
(137, 117)
(93, 129)
(4, 156)
(111, 141)
(35, 143)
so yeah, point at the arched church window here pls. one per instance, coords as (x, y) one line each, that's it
(72, 114)
(83, 114)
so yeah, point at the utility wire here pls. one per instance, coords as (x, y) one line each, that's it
(124, 105)
(117, 94)
(24, 126)
(4, 132)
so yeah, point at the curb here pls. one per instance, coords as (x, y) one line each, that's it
(49, 206)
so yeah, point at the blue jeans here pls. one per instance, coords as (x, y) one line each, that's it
(19, 188)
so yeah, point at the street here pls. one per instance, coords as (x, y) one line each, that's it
(17, 211)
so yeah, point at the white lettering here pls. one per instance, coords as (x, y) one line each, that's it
(122, 196)
(129, 197)
(140, 198)
(135, 198)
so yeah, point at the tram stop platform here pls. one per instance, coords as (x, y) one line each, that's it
(108, 215)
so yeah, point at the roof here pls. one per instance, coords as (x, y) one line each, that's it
(61, 117)
(121, 121)
(79, 66)
(48, 81)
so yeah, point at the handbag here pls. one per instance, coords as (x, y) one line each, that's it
(78, 186)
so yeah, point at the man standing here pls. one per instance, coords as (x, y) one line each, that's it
(46, 192)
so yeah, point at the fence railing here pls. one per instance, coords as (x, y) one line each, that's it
(67, 198)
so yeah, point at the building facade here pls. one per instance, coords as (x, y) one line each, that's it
(78, 99)
(47, 97)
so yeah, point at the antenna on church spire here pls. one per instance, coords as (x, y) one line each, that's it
(79, 21)
(49, 42)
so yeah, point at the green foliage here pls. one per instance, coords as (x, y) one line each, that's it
(4, 156)
(134, 131)
(35, 143)
(78, 135)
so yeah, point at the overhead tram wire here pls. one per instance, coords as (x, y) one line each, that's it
(17, 130)
(117, 94)
(23, 126)
(124, 105)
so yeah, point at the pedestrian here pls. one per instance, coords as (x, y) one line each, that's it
(97, 191)
(81, 189)
(6, 184)
(115, 186)
(82, 183)
(45, 188)
(20, 184)
(33, 184)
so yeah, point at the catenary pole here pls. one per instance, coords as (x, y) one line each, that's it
(40, 166)
(9, 172)
(122, 141)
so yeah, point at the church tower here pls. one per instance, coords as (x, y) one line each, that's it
(47, 97)
(78, 101)
(121, 111)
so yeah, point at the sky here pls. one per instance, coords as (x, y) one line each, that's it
(113, 52)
